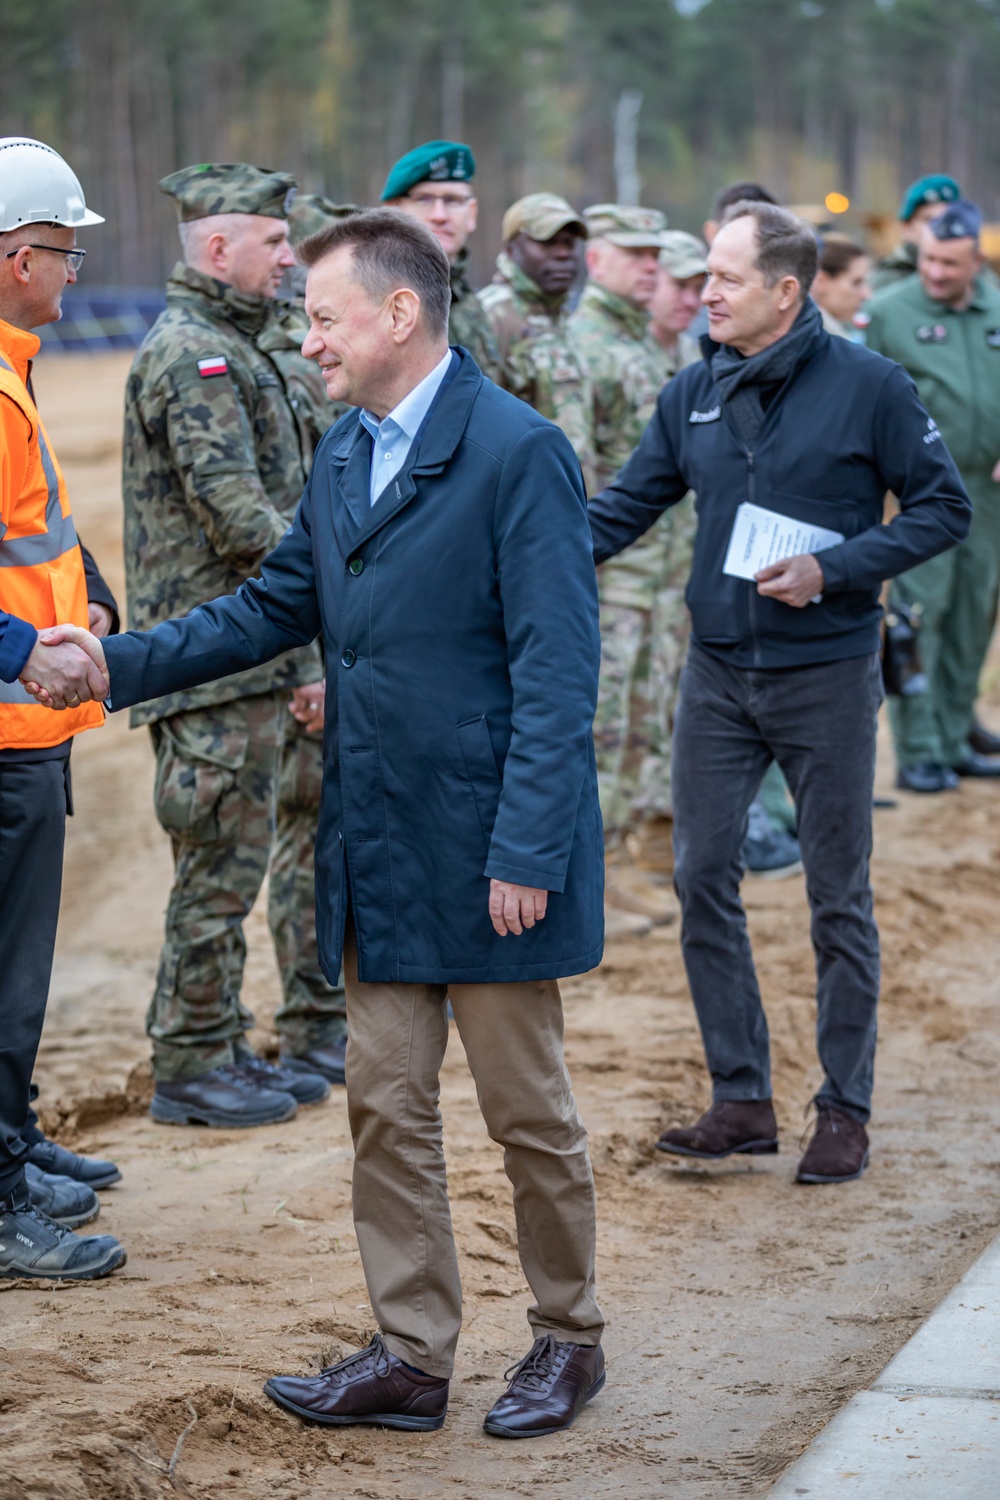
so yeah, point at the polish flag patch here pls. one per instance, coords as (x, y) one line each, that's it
(215, 365)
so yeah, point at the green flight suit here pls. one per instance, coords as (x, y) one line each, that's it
(954, 358)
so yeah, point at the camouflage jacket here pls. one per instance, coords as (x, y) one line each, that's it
(468, 324)
(539, 360)
(627, 369)
(281, 340)
(214, 467)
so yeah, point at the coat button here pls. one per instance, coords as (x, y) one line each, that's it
(348, 659)
(356, 566)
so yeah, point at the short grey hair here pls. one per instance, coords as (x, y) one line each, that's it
(196, 233)
(786, 245)
(391, 250)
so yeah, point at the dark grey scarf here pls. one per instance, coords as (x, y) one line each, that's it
(739, 379)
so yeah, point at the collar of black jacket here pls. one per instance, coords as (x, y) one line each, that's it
(739, 379)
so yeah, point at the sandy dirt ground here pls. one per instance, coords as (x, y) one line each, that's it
(743, 1311)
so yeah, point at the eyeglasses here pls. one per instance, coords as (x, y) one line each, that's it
(74, 258)
(450, 202)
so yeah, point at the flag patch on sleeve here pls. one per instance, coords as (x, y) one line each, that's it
(214, 365)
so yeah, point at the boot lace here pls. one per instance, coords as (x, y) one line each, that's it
(533, 1372)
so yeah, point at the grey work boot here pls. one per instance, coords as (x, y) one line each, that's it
(33, 1245)
(61, 1199)
(225, 1097)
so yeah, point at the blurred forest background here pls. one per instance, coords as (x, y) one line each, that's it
(653, 100)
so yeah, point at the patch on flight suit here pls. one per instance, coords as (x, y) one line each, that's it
(932, 333)
(993, 337)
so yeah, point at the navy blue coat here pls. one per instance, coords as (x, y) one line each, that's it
(459, 617)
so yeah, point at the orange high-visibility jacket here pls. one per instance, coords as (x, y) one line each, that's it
(41, 566)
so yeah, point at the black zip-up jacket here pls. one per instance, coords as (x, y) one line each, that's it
(845, 427)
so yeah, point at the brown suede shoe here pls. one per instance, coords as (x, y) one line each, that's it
(370, 1388)
(730, 1126)
(838, 1151)
(547, 1390)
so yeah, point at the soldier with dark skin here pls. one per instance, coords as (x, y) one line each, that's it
(527, 305)
(220, 426)
(433, 184)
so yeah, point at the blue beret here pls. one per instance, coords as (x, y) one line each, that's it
(960, 221)
(435, 161)
(934, 189)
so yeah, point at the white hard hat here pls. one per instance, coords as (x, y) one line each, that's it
(37, 187)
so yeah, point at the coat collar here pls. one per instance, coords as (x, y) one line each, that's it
(633, 320)
(218, 299)
(446, 424)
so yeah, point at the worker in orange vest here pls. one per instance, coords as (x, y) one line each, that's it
(43, 580)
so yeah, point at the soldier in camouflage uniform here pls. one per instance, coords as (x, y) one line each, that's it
(432, 183)
(527, 305)
(627, 369)
(221, 420)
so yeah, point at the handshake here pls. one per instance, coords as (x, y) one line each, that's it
(66, 667)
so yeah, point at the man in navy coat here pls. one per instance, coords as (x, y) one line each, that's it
(443, 549)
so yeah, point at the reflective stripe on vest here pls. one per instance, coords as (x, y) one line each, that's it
(59, 534)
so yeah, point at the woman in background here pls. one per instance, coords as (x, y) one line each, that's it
(841, 287)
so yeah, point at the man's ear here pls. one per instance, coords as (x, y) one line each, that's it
(404, 314)
(789, 292)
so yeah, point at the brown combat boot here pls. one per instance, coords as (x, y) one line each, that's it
(631, 890)
(730, 1126)
(838, 1151)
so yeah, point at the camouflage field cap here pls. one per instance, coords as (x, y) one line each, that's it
(621, 224)
(540, 216)
(311, 212)
(229, 188)
(434, 161)
(683, 255)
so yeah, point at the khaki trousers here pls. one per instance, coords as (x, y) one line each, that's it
(513, 1038)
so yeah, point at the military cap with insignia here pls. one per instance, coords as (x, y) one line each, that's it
(229, 188)
(622, 224)
(540, 216)
(937, 188)
(683, 255)
(434, 161)
(960, 221)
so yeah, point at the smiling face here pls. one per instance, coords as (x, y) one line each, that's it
(448, 209)
(742, 309)
(629, 272)
(948, 268)
(674, 303)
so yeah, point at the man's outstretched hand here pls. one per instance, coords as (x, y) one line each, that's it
(67, 667)
(514, 907)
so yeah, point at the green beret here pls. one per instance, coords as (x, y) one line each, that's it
(935, 189)
(311, 212)
(229, 188)
(435, 161)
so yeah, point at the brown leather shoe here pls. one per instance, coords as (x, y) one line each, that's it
(730, 1126)
(838, 1151)
(370, 1388)
(547, 1390)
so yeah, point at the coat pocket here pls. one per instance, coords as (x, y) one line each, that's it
(481, 770)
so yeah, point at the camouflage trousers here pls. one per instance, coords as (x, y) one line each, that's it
(643, 646)
(237, 789)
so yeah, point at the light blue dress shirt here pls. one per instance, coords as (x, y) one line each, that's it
(392, 438)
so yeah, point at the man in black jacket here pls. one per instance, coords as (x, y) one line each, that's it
(790, 439)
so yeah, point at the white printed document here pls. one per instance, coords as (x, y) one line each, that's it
(761, 537)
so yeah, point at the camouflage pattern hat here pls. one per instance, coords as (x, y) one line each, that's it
(311, 212)
(621, 224)
(937, 188)
(540, 216)
(229, 188)
(434, 161)
(683, 255)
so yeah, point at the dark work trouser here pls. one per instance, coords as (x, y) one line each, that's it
(819, 724)
(34, 798)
